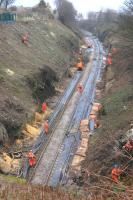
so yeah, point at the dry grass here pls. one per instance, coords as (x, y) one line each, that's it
(28, 72)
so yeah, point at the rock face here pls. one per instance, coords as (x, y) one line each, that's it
(3, 134)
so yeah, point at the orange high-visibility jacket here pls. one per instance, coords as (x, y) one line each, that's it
(80, 65)
(46, 127)
(116, 172)
(80, 88)
(44, 107)
(32, 159)
(128, 146)
(98, 105)
(31, 155)
(109, 61)
(25, 38)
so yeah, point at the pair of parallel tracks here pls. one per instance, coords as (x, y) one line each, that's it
(54, 121)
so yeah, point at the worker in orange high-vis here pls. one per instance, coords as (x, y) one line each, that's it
(98, 105)
(25, 38)
(109, 59)
(80, 65)
(97, 124)
(129, 145)
(46, 127)
(80, 88)
(115, 173)
(44, 107)
(32, 159)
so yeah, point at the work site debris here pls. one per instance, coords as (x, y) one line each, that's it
(80, 154)
(71, 72)
(39, 117)
(84, 128)
(9, 165)
(31, 131)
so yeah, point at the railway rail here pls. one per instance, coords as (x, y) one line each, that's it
(70, 114)
(61, 166)
(43, 140)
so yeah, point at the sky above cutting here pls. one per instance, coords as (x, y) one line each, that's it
(82, 6)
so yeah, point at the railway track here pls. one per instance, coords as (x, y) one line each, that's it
(60, 107)
(71, 142)
(64, 118)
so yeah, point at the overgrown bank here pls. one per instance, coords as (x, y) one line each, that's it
(28, 72)
(105, 148)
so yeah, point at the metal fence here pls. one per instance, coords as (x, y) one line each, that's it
(7, 17)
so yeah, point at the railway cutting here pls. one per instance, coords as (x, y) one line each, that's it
(55, 153)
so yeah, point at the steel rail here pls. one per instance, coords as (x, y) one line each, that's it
(83, 115)
(49, 175)
(55, 119)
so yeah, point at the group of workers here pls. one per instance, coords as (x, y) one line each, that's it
(80, 63)
(31, 156)
(117, 171)
(92, 118)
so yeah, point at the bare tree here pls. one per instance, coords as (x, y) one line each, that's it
(1, 2)
(126, 32)
(42, 3)
(66, 11)
(6, 3)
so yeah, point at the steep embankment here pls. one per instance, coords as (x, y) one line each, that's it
(28, 72)
(105, 148)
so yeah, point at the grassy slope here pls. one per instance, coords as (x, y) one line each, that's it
(43, 61)
(50, 44)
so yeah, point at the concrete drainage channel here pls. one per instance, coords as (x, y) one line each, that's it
(65, 135)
